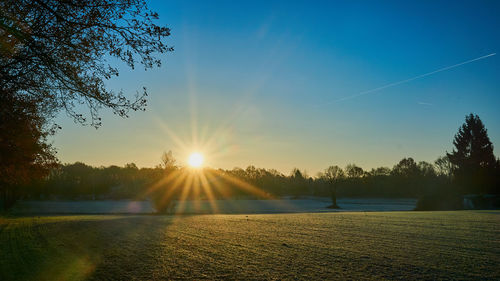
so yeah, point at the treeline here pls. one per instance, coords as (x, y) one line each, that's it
(79, 181)
(471, 168)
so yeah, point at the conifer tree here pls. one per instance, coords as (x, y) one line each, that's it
(473, 160)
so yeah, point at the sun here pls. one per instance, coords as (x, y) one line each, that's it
(195, 160)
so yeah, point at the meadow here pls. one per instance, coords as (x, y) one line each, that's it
(309, 246)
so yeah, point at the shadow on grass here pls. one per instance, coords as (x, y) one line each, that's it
(77, 247)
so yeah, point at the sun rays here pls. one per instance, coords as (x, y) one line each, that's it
(178, 186)
(200, 146)
(194, 180)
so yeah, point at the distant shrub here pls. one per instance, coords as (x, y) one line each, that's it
(439, 201)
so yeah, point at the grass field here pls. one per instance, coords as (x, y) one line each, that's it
(374, 245)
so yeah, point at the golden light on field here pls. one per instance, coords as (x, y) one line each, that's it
(196, 185)
(197, 182)
(195, 160)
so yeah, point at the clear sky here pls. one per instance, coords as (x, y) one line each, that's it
(259, 83)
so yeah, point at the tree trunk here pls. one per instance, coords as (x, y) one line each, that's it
(333, 196)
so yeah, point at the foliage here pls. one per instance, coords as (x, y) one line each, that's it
(25, 154)
(60, 52)
(353, 171)
(56, 55)
(475, 168)
(440, 200)
(406, 168)
(164, 184)
(444, 166)
(380, 171)
(80, 181)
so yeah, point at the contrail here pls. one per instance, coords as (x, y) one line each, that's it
(409, 79)
(425, 103)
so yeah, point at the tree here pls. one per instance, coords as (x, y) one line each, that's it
(297, 182)
(406, 168)
(164, 196)
(380, 171)
(332, 175)
(168, 161)
(444, 166)
(407, 175)
(25, 155)
(57, 52)
(353, 171)
(54, 56)
(475, 166)
(426, 169)
(131, 166)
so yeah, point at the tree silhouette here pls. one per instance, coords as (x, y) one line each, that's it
(297, 182)
(380, 171)
(406, 168)
(168, 161)
(56, 52)
(426, 169)
(332, 175)
(25, 155)
(407, 173)
(444, 166)
(354, 171)
(475, 167)
(53, 56)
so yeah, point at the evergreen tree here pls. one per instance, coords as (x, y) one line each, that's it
(475, 166)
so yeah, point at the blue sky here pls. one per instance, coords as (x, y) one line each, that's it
(260, 81)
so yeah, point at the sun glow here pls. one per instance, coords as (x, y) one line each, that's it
(195, 160)
(184, 188)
